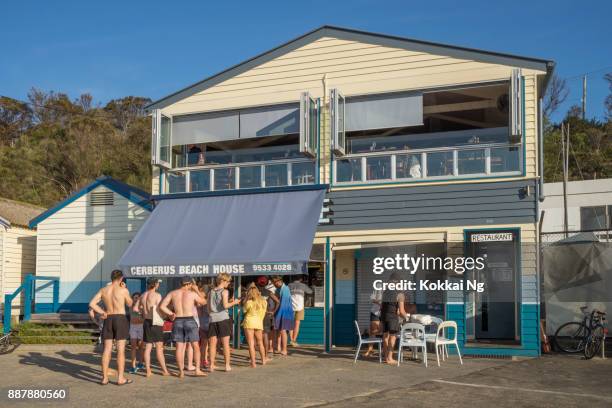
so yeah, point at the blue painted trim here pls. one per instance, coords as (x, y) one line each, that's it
(284, 189)
(327, 311)
(133, 194)
(161, 181)
(27, 286)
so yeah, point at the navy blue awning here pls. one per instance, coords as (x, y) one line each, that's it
(261, 233)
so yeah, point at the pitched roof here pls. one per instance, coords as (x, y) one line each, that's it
(362, 36)
(131, 193)
(17, 213)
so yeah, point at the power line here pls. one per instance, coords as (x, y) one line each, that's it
(587, 73)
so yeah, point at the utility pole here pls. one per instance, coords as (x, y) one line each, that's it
(565, 150)
(584, 86)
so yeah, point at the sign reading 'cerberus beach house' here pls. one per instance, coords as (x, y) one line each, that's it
(239, 234)
(215, 269)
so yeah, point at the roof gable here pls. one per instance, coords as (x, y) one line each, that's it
(131, 193)
(358, 36)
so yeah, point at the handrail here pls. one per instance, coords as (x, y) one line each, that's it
(28, 288)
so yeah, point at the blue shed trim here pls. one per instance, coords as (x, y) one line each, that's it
(131, 193)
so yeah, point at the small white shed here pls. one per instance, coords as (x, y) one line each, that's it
(17, 248)
(81, 239)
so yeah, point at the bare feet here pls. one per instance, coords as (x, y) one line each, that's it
(391, 362)
(283, 353)
(367, 354)
(191, 368)
(199, 373)
(228, 368)
(212, 368)
(148, 373)
(104, 381)
(180, 374)
(253, 364)
(166, 374)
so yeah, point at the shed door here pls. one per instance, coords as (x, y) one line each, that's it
(81, 274)
(110, 253)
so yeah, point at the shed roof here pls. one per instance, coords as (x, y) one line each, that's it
(17, 213)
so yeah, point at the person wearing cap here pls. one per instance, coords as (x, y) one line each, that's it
(184, 328)
(153, 334)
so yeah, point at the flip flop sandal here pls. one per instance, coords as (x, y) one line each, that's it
(127, 381)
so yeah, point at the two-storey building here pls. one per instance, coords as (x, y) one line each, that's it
(424, 148)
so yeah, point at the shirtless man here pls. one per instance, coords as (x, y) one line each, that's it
(153, 335)
(185, 328)
(115, 297)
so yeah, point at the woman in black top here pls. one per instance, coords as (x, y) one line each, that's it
(391, 311)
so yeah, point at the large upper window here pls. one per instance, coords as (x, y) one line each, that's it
(237, 151)
(266, 146)
(595, 218)
(434, 134)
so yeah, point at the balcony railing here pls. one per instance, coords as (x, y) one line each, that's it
(240, 176)
(430, 164)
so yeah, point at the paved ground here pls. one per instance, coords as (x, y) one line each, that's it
(310, 378)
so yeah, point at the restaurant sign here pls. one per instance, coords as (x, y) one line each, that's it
(492, 237)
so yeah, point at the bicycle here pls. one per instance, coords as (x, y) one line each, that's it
(597, 336)
(8, 342)
(572, 337)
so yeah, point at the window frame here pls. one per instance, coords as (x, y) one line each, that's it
(308, 132)
(606, 217)
(156, 133)
(338, 128)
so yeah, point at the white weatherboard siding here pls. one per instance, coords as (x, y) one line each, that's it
(17, 259)
(356, 68)
(82, 243)
(587, 193)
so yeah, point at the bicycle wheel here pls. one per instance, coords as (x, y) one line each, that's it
(593, 344)
(571, 336)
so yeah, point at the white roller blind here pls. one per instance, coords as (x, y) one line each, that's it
(270, 120)
(205, 128)
(384, 111)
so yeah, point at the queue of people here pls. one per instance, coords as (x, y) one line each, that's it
(200, 320)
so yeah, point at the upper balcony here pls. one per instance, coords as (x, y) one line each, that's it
(431, 135)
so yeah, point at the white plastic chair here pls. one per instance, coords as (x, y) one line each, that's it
(441, 341)
(368, 340)
(412, 335)
(431, 337)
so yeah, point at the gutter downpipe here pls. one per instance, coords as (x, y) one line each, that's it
(541, 195)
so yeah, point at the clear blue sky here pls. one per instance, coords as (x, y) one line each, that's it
(152, 48)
